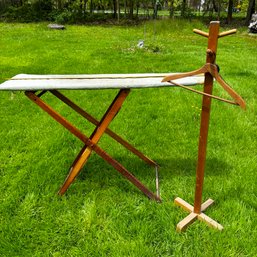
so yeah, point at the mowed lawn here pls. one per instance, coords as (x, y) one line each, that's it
(102, 214)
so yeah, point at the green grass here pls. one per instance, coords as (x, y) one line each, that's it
(102, 214)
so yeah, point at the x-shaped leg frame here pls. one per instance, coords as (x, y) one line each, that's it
(91, 142)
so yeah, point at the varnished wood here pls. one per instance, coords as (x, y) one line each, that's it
(95, 137)
(205, 117)
(76, 132)
(210, 71)
(200, 32)
(91, 119)
(123, 171)
(213, 70)
(202, 93)
(227, 33)
(238, 99)
(222, 34)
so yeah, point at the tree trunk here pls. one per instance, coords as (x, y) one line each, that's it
(81, 6)
(91, 6)
(125, 8)
(230, 11)
(147, 11)
(131, 9)
(118, 8)
(219, 7)
(215, 6)
(171, 8)
(250, 11)
(183, 8)
(59, 4)
(84, 8)
(155, 13)
(114, 9)
(138, 5)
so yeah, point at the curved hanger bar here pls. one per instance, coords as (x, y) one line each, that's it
(202, 93)
(213, 70)
(185, 74)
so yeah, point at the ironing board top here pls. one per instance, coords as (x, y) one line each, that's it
(27, 82)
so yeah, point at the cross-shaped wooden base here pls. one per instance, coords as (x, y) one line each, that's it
(182, 225)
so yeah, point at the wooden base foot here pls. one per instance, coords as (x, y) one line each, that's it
(182, 225)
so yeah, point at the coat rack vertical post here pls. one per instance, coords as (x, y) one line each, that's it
(196, 211)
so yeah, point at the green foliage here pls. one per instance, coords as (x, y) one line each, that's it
(77, 11)
(35, 11)
(63, 16)
(102, 214)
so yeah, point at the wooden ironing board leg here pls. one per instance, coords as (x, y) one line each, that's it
(89, 143)
(91, 119)
(95, 137)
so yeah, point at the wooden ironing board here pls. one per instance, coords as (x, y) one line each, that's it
(35, 86)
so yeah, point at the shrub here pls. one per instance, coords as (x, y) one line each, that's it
(29, 11)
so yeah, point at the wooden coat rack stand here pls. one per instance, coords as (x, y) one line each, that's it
(211, 71)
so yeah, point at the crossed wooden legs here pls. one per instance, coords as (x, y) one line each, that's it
(95, 137)
(91, 142)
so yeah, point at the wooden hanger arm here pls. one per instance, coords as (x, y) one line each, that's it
(202, 93)
(231, 92)
(200, 32)
(222, 34)
(185, 74)
(213, 70)
(227, 33)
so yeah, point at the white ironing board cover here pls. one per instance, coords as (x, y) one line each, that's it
(28, 82)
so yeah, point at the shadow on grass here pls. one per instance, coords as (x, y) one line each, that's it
(134, 165)
(187, 166)
(99, 173)
(169, 167)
